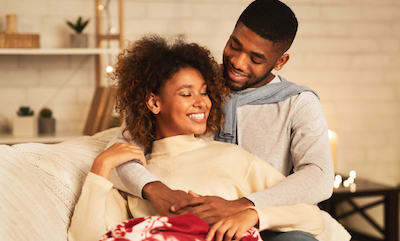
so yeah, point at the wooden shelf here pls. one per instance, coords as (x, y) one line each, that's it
(9, 139)
(59, 51)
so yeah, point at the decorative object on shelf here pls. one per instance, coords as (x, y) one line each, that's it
(11, 39)
(25, 124)
(93, 124)
(79, 39)
(47, 124)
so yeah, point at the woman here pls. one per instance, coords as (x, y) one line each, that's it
(170, 95)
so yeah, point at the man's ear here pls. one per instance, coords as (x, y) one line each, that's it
(153, 103)
(281, 61)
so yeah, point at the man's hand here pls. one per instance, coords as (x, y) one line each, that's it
(233, 227)
(162, 197)
(210, 208)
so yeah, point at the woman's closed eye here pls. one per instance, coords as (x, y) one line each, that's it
(186, 94)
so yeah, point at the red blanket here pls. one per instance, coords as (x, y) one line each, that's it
(186, 227)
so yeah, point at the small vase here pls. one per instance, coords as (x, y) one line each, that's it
(79, 40)
(25, 126)
(11, 24)
(47, 126)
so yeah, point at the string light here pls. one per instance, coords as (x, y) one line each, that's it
(338, 181)
(110, 29)
(349, 182)
(109, 69)
(353, 174)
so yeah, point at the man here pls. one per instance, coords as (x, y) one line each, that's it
(280, 122)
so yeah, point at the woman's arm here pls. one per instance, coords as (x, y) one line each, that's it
(134, 178)
(130, 177)
(299, 217)
(100, 206)
(90, 219)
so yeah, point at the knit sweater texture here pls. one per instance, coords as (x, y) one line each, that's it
(188, 163)
(291, 134)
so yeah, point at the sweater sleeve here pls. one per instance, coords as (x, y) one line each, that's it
(301, 217)
(281, 218)
(130, 177)
(99, 208)
(312, 180)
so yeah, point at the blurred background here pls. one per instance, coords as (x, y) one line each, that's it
(346, 50)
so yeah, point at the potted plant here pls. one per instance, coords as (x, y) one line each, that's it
(47, 124)
(25, 123)
(78, 40)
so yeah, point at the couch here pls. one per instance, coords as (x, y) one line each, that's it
(41, 183)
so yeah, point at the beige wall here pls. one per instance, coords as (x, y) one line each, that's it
(347, 50)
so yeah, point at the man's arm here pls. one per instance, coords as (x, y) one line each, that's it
(131, 176)
(134, 178)
(312, 180)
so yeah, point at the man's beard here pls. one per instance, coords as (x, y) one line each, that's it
(247, 84)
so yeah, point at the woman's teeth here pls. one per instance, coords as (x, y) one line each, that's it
(196, 116)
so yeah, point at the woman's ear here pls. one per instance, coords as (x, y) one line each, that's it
(281, 61)
(153, 103)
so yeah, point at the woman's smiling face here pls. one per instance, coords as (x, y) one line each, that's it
(183, 106)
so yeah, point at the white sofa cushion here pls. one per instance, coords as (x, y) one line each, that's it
(41, 183)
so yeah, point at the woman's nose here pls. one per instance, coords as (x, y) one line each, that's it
(199, 101)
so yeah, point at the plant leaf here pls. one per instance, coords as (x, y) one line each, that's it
(71, 25)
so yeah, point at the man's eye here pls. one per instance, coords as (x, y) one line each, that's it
(234, 47)
(255, 62)
(186, 95)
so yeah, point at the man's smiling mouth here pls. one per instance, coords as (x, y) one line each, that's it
(237, 74)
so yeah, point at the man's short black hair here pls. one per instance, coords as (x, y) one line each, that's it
(272, 20)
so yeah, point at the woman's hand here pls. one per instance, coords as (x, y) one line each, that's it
(115, 155)
(233, 227)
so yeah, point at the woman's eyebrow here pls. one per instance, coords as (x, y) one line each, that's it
(185, 87)
(188, 86)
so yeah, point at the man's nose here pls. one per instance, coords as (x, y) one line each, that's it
(239, 61)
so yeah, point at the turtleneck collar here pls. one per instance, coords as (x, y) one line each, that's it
(173, 144)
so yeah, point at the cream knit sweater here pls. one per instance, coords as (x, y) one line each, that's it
(188, 163)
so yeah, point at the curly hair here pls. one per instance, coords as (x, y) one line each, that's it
(145, 67)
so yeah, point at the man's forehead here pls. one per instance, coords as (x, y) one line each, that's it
(251, 41)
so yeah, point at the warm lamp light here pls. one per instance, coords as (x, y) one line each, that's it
(333, 139)
(109, 69)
